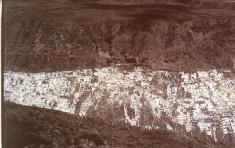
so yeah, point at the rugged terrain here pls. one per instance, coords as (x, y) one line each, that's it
(186, 102)
(75, 34)
(154, 64)
(34, 127)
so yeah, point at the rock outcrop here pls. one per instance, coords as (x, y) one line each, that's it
(141, 97)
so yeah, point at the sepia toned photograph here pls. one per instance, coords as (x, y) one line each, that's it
(118, 73)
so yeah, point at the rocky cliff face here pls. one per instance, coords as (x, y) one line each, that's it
(150, 98)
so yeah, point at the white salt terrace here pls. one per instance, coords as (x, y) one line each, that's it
(206, 98)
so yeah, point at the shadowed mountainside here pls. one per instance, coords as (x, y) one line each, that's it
(68, 34)
(34, 127)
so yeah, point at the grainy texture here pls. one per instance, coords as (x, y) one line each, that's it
(176, 66)
(68, 34)
(34, 127)
(203, 100)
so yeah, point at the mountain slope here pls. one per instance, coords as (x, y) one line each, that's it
(68, 35)
(34, 127)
